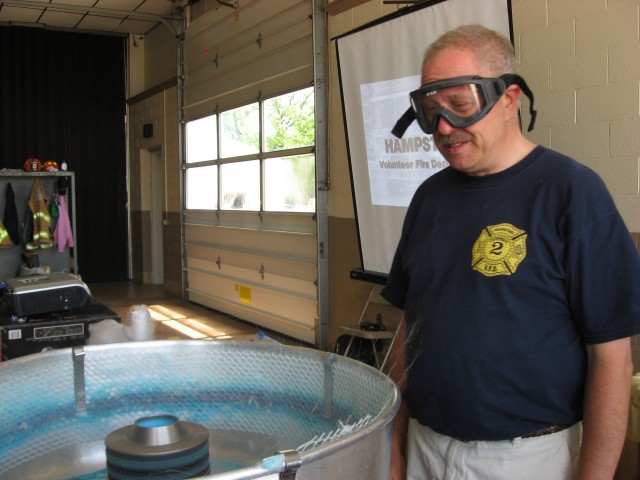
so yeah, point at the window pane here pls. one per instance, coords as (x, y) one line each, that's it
(202, 188)
(201, 140)
(290, 184)
(240, 185)
(289, 121)
(240, 131)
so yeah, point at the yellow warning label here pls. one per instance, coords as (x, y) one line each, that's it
(245, 293)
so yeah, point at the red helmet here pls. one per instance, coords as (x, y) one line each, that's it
(50, 166)
(32, 164)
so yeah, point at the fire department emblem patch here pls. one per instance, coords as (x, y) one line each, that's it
(499, 250)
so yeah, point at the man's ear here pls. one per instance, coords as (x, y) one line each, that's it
(511, 101)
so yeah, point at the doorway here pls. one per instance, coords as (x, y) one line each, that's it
(152, 200)
(156, 179)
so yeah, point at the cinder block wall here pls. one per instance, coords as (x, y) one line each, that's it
(582, 59)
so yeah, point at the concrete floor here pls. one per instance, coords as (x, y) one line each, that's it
(176, 319)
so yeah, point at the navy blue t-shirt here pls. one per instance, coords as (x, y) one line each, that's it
(504, 278)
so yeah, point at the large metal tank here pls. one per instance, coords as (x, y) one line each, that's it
(272, 411)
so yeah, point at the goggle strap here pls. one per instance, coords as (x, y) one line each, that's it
(510, 79)
(403, 122)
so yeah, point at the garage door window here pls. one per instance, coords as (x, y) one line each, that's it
(202, 144)
(239, 132)
(241, 188)
(261, 158)
(202, 188)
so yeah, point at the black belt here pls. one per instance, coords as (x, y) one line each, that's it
(537, 433)
(547, 430)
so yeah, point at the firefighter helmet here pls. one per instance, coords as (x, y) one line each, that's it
(32, 164)
(50, 166)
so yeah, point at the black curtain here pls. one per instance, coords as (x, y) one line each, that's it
(62, 98)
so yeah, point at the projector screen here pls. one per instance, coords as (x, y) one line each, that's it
(378, 65)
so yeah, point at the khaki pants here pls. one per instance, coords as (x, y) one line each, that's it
(432, 456)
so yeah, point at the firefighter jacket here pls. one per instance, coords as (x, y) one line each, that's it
(39, 205)
(5, 241)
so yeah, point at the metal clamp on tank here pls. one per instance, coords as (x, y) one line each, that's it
(292, 463)
(79, 379)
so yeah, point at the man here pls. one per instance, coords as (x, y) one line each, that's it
(520, 286)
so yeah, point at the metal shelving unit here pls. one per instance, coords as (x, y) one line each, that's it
(22, 182)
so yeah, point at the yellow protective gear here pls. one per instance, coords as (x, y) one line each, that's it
(39, 205)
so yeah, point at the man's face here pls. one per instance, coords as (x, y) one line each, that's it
(474, 150)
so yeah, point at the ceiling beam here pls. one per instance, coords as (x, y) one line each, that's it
(62, 7)
(339, 6)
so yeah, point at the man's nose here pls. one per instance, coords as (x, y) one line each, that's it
(444, 127)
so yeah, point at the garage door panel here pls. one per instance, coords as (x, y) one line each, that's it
(239, 53)
(268, 87)
(263, 70)
(298, 309)
(292, 245)
(264, 319)
(220, 24)
(286, 284)
(217, 259)
(269, 276)
(234, 56)
(201, 264)
(227, 292)
(275, 221)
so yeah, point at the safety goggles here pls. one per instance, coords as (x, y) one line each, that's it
(461, 101)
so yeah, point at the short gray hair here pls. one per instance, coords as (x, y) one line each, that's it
(491, 49)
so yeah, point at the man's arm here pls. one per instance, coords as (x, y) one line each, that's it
(606, 408)
(397, 373)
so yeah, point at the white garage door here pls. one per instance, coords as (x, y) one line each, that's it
(250, 249)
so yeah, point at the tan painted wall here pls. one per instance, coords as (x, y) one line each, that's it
(161, 110)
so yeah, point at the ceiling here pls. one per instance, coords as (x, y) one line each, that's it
(137, 17)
